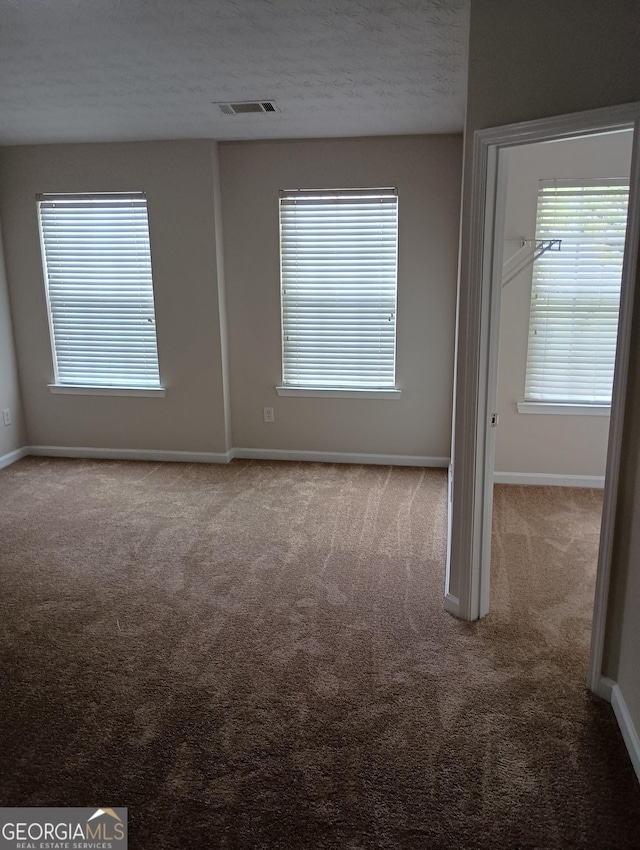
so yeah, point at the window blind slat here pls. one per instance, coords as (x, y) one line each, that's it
(97, 264)
(338, 285)
(576, 291)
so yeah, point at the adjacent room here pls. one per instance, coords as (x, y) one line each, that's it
(565, 217)
(237, 324)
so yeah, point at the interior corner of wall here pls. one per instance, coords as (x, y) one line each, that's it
(221, 285)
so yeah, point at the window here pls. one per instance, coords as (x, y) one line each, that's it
(97, 266)
(338, 279)
(576, 292)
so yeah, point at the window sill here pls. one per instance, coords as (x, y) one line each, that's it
(337, 393)
(564, 409)
(62, 389)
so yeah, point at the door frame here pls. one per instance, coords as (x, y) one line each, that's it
(477, 358)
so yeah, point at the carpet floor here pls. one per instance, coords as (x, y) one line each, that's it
(256, 656)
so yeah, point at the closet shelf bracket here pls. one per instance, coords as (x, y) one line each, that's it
(529, 252)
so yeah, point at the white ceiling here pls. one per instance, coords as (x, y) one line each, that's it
(105, 70)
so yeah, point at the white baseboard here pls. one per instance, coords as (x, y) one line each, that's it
(452, 604)
(129, 454)
(12, 457)
(605, 688)
(629, 731)
(537, 478)
(225, 457)
(341, 457)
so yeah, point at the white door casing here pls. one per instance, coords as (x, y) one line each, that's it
(477, 350)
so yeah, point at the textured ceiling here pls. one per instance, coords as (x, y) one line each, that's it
(103, 70)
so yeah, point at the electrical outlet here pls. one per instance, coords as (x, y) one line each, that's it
(268, 414)
(6, 416)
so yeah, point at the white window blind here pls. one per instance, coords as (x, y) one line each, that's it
(339, 277)
(99, 289)
(576, 291)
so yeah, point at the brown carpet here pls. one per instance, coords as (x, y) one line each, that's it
(256, 656)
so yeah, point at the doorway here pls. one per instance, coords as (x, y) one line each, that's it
(564, 232)
(471, 501)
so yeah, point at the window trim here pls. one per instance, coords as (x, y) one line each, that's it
(309, 390)
(563, 408)
(83, 388)
(567, 405)
(337, 392)
(79, 389)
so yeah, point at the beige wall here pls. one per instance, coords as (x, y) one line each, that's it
(178, 179)
(222, 298)
(209, 407)
(427, 172)
(13, 436)
(551, 444)
(531, 60)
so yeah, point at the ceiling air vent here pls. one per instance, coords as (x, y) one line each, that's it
(247, 107)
